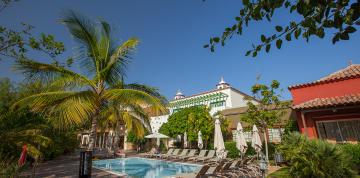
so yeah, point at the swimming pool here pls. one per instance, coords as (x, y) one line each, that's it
(142, 167)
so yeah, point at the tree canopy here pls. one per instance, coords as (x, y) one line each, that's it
(313, 18)
(192, 120)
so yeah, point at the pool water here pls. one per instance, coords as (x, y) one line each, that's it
(142, 167)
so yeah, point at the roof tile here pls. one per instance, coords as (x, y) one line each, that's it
(352, 71)
(350, 99)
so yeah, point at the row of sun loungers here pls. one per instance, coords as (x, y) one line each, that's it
(185, 155)
(213, 166)
(227, 168)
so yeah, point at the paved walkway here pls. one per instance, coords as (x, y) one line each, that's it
(64, 167)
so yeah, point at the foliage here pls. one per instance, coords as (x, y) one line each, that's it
(192, 120)
(84, 98)
(250, 150)
(353, 150)
(233, 152)
(8, 166)
(316, 19)
(16, 43)
(291, 126)
(23, 127)
(133, 138)
(63, 142)
(267, 111)
(314, 158)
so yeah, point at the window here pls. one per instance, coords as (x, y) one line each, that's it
(247, 135)
(217, 104)
(275, 134)
(339, 131)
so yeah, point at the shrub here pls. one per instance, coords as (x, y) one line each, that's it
(353, 151)
(233, 152)
(250, 150)
(314, 158)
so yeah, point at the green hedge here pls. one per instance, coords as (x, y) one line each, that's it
(353, 151)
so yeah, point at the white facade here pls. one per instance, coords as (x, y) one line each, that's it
(223, 97)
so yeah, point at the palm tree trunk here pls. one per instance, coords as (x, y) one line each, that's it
(92, 134)
(116, 139)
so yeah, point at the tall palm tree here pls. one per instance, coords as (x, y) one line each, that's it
(88, 94)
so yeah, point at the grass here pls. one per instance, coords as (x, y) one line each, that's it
(282, 172)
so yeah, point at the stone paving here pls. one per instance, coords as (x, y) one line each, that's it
(63, 167)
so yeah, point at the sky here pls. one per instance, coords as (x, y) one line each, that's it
(172, 34)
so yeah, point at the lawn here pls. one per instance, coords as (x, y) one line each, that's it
(283, 173)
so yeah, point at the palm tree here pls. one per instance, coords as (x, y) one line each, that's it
(85, 96)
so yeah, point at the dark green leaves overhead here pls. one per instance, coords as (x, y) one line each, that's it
(278, 28)
(278, 43)
(315, 20)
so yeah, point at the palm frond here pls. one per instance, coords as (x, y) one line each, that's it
(66, 108)
(136, 97)
(49, 72)
(84, 31)
(147, 89)
(118, 59)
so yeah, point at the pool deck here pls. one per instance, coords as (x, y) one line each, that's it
(64, 167)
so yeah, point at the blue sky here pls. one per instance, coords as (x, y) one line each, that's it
(172, 33)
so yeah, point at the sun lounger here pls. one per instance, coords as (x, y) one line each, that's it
(191, 154)
(183, 153)
(216, 159)
(151, 153)
(174, 153)
(201, 155)
(199, 174)
(210, 155)
(169, 152)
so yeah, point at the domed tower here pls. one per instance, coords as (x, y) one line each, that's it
(222, 84)
(179, 95)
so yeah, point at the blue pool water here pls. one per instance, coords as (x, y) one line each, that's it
(147, 168)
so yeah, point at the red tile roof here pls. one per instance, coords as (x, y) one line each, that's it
(345, 100)
(352, 71)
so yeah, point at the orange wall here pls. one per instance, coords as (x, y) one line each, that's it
(344, 87)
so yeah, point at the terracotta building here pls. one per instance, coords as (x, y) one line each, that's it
(329, 108)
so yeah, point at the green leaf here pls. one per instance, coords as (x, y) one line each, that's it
(206, 46)
(263, 38)
(245, 2)
(288, 37)
(237, 18)
(267, 49)
(297, 33)
(216, 39)
(278, 28)
(344, 36)
(320, 32)
(336, 38)
(247, 53)
(350, 29)
(278, 43)
(254, 54)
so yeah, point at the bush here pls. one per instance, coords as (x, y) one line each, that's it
(314, 158)
(353, 151)
(233, 152)
(250, 150)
